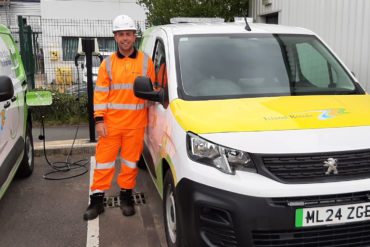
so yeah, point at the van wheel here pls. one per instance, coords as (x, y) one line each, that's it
(171, 219)
(26, 167)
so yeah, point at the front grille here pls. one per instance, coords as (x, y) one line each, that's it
(221, 237)
(216, 227)
(336, 199)
(310, 168)
(351, 235)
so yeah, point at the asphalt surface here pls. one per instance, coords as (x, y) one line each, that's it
(43, 213)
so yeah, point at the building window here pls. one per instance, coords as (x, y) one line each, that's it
(272, 18)
(107, 44)
(70, 46)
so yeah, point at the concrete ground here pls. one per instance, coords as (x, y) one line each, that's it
(42, 213)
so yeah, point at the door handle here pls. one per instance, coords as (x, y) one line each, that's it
(7, 104)
(14, 98)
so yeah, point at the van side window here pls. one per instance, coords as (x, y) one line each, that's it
(5, 58)
(313, 65)
(160, 66)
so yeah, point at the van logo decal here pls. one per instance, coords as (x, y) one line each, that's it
(2, 120)
(323, 114)
(332, 165)
(330, 113)
(5, 59)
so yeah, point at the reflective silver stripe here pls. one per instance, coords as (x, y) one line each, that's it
(100, 107)
(126, 106)
(128, 163)
(96, 191)
(101, 89)
(108, 67)
(122, 86)
(108, 165)
(145, 64)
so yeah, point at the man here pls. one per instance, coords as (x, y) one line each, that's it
(120, 118)
(40, 56)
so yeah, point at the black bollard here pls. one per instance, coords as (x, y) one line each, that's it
(88, 48)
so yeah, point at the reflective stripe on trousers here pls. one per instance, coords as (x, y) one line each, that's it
(131, 143)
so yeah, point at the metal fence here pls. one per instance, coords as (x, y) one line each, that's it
(55, 45)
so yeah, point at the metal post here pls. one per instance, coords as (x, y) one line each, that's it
(31, 61)
(88, 48)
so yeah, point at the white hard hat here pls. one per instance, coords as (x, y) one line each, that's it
(123, 22)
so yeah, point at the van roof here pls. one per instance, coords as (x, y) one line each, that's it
(231, 27)
(4, 29)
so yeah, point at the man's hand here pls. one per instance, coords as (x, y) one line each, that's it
(101, 129)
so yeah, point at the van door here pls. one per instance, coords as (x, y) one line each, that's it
(5, 69)
(156, 136)
(11, 111)
(16, 110)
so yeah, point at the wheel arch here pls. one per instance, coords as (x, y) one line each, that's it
(165, 167)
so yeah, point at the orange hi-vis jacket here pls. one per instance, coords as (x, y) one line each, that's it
(114, 99)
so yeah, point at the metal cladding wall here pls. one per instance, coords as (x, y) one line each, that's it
(9, 13)
(343, 24)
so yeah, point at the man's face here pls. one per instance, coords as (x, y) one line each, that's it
(125, 40)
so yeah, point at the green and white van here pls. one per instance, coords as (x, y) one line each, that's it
(16, 144)
(256, 138)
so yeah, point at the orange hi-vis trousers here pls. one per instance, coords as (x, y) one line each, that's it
(131, 143)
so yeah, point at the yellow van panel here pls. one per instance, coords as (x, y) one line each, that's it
(272, 113)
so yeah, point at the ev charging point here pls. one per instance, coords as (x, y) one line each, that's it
(89, 47)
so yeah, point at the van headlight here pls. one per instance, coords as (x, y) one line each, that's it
(225, 159)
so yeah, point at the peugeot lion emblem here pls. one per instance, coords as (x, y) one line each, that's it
(331, 164)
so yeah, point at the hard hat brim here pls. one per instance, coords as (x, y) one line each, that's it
(125, 29)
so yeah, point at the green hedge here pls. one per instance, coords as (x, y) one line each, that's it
(65, 109)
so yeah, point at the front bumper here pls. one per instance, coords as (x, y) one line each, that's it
(214, 217)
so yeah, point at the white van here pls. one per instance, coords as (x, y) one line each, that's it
(95, 67)
(16, 144)
(81, 86)
(256, 138)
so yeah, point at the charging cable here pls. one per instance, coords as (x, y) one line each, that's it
(63, 166)
(67, 165)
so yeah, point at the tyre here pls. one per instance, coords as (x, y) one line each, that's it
(26, 167)
(172, 223)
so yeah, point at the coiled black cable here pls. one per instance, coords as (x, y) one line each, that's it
(65, 166)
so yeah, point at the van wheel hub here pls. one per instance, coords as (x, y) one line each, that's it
(171, 215)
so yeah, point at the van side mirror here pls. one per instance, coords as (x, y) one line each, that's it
(6, 88)
(143, 88)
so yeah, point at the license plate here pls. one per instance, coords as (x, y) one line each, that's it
(332, 215)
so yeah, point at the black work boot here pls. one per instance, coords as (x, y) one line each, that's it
(96, 206)
(127, 205)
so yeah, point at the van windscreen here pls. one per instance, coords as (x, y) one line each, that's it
(254, 65)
